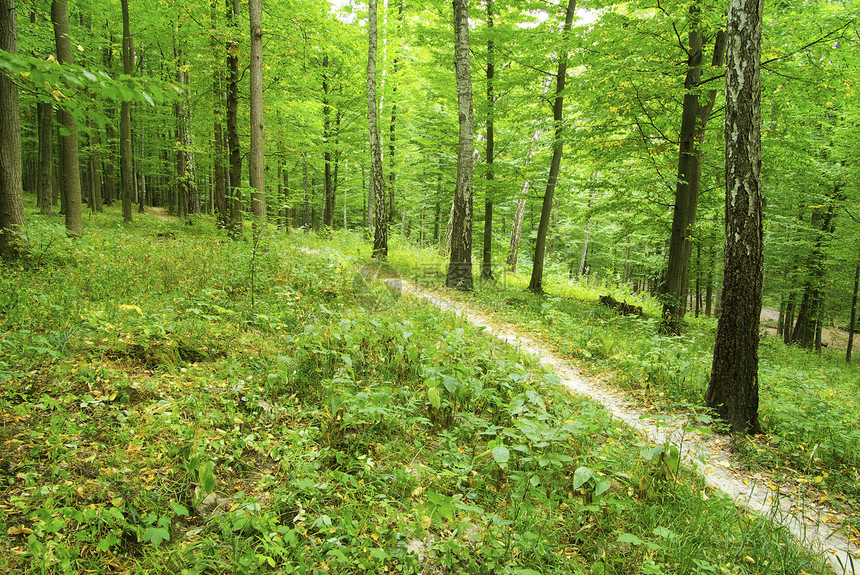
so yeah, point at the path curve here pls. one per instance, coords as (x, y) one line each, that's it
(706, 453)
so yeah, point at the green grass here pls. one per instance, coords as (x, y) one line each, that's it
(155, 421)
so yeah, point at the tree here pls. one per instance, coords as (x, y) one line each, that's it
(125, 167)
(69, 149)
(536, 281)
(256, 159)
(12, 227)
(235, 153)
(460, 265)
(377, 183)
(487, 260)
(694, 118)
(733, 388)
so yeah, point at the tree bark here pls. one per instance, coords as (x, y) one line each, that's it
(487, 260)
(125, 167)
(256, 158)
(13, 240)
(69, 150)
(45, 113)
(460, 265)
(235, 186)
(328, 211)
(220, 192)
(733, 388)
(536, 281)
(377, 182)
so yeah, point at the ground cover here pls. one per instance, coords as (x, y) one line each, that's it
(808, 402)
(158, 418)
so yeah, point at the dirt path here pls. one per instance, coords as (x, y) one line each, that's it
(814, 525)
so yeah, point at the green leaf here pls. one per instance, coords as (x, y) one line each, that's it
(450, 384)
(107, 542)
(156, 535)
(501, 455)
(433, 396)
(581, 476)
(179, 509)
(629, 538)
(207, 476)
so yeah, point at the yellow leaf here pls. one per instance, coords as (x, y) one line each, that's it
(19, 530)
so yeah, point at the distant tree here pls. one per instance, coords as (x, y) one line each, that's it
(377, 183)
(460, 264)
(12, 238)
(733, 388)
(69, 154)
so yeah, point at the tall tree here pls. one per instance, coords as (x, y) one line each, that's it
(460, 264)
(487, 260)
(377, 183)
(536, 281)
(392, 129)
(733, 388)
(235, 182)
(328, 212)
(12, 230)
(69, 149)
(220, 182)
(694, 118)
(256, 159)
(125, 167)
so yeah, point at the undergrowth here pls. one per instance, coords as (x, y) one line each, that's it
(155, 420)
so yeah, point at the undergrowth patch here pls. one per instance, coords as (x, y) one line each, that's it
(156, 420)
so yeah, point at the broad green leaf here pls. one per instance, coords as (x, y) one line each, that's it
(501, 455)
(581, 476)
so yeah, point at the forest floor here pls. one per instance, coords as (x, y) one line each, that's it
(816, 525)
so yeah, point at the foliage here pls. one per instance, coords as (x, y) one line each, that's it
(157, 422)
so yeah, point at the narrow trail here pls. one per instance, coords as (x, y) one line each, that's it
(815, 526)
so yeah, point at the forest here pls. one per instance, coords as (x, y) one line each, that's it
(223, 227)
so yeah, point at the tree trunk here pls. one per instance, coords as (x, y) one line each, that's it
(517, 229)
(69, 151)
(256, 158)
(392, 128)
(377, 182)
(95, 188)
(328, 212)
(788, 320)
(125, 169)
(45, 114)
(583, 260)
(851, 324)
(235, 186)
(13, 240)
(733, 388)
(460, 265)
(220, 192)
(536, 282)
(694, 119)
(487, 260)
